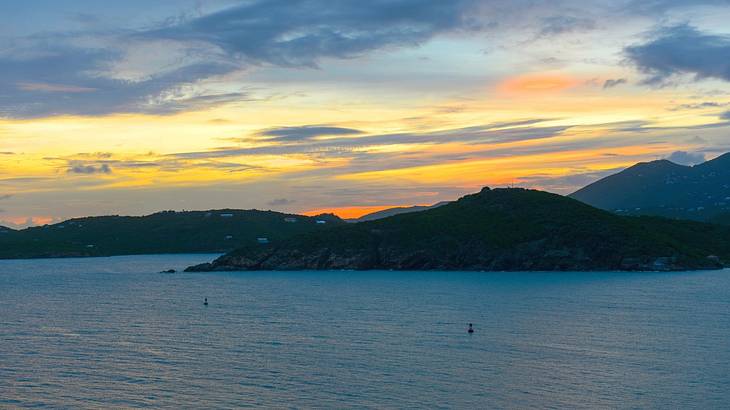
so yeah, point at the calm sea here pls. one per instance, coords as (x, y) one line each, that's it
(114, 333)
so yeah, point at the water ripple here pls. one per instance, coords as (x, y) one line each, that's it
(111, 332)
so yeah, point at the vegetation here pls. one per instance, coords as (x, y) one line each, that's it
(163, 232)
(663, 188)
(721, 219)
(501, 229)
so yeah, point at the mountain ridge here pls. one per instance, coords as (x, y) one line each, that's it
(663, 188)
(384, 213)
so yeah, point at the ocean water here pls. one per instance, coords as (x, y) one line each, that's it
(114, 333)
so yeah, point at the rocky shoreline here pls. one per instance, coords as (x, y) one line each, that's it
(292, 260)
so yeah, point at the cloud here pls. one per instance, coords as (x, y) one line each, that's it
(164, 68)
(98, 154)
(647, 126)
(686, 158)
(190, 61)
(561, 24)
(38, 66)
(610, 83)
(652, 7)
(174, 100)
(280, 202)
(697, 140)
(54, 88)
(698, 106)
(89, 169)
(296, 33)
(482, 134)
(85, 18)
(565, 184)
(5, 196)
(681, 50)
(101, 163)
(305, 132)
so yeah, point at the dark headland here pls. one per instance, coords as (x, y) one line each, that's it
(213, 231)
(495, 230)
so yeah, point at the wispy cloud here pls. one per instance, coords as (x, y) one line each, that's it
(491, 133)
(99, 72)
(654, 7)
(102, 163)
(560, 24)
(305, 132)
(54, 88)
(280, 202)
(299, 33)
(565, 184)
(611, 83)
(699, 106)
(89, 169)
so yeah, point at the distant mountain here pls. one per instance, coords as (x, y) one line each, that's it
(501, 229)
(395, 211)
(664, 188)
(164, 232)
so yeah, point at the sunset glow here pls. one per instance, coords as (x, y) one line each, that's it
(537, 84)
(349, 213)
(130, 114)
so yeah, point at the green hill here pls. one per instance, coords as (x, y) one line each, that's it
(663, 188)
(163, 232)
(501, 229)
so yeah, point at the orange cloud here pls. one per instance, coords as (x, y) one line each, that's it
(537, 84)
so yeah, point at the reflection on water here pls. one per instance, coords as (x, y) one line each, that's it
(112, 332)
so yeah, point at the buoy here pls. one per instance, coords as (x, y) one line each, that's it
(206, 302)
(471, 328)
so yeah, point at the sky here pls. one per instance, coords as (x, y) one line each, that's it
(345, 106)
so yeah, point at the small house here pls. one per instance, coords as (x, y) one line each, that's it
(262, 240)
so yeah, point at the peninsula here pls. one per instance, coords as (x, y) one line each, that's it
(496, 230)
